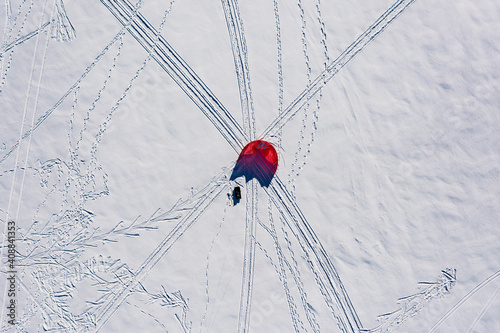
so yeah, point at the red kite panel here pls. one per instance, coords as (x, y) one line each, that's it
(257, 160)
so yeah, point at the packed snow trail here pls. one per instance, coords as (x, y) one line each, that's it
(355, 48)
(179, 71)
(23, 39)
(326, 275)
(248, 258)
(240, 55)
(485, 308)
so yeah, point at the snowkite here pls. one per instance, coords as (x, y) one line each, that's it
(257, 160)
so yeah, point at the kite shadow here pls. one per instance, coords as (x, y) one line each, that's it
(254, 166)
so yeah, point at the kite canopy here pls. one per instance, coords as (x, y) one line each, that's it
(257, 160)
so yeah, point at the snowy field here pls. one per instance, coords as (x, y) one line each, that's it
(121, 121)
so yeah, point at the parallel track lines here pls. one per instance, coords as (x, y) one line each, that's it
(464, 299)
(240, 55)
(248, 259)
(205, 198)
(328, 279)
(21, 40)
(46, 115)
(355, 48)
(173, 64)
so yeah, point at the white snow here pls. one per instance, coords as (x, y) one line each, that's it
(118, 182)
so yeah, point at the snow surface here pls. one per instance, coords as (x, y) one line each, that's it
(119, 184)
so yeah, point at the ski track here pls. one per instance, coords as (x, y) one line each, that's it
(326, 275)
(282, 275)
(483, 310)
(57, 161)
(179, 71)
(25, 113)
(283, 279)
(248, 259)
(200, 202)
(355, 48)
(149, 315)
(35, 106)
(240, 55)
(464, 299)
(158, 49)
(409, 306)
(294, 270)
(290, 180)
(66, 94)
(62, 29)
